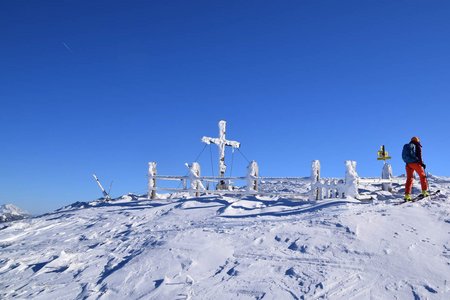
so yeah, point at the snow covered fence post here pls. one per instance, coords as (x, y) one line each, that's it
(335, 188)
(351, 179)
(387, 174)
(194, 174)
(151, 180)
(315, 171)
(316, 188)
(252, 177)
(328, 191)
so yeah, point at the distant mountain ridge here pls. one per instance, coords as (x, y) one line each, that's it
(9, 212)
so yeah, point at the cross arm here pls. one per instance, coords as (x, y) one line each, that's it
(233, 144)
(208, 140)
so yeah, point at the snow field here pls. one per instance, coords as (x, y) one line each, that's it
(227, 247)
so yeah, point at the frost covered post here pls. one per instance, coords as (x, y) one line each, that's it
(105, 194)
(387, 174)
(334, 188)
(351, 179)
(316, 192)
(252, 177)
(194, 174)
(151, 180)
(315, 171)
(221, 142)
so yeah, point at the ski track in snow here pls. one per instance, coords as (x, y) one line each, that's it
(233, 248)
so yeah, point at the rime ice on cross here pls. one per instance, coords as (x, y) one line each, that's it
(221, 142)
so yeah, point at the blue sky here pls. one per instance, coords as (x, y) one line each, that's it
(106, 86)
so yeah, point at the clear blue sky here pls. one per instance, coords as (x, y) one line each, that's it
(106, 86)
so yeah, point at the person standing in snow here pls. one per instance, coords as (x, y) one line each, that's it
(412, 156)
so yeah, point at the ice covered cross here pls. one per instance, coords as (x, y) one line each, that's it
(221, 142)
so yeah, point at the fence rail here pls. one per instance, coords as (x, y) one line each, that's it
(213, 178)
(235, 192)
(380, 181)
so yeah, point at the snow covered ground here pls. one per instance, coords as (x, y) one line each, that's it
(213, 247)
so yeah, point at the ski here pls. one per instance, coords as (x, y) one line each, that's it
(419, 197)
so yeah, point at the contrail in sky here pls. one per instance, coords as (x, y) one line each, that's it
(67, 47)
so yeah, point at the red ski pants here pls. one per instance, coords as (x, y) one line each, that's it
(410, 169)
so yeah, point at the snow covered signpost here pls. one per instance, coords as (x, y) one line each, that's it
(221, 142)
(387, 168)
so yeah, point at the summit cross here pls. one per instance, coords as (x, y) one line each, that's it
(221, 142)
